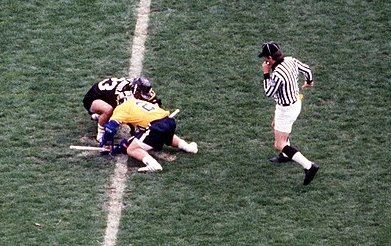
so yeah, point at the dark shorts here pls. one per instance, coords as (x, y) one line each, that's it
(159, 133)
(95, 94)
(89, 98)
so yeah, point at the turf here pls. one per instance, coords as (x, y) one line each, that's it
(201, 58)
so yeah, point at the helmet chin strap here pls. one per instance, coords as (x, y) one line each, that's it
(134, 89)
(151, 95)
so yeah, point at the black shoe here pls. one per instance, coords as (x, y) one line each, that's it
(280, 159)
(310, 173)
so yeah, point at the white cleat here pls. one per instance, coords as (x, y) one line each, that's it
(193, 148)
(150, 168)
(95, 117)
(143, 170)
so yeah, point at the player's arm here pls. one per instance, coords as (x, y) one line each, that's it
(111, 129)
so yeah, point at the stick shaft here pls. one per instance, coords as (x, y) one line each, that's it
(103, 149)
(87, 148)
(174, 113)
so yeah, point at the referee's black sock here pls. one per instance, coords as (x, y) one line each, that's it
(296, 156)
(289, 144)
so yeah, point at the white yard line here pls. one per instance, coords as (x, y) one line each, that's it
(118, 180)
(140, 36)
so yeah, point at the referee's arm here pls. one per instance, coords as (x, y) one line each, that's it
(305, 70)
(270, 85)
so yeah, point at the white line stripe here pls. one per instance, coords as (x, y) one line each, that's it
(116, 192)
(140, 35)
(118, 183)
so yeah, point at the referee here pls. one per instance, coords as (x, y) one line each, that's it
(280, 82)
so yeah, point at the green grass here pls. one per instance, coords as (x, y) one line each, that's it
(201, 58)
(52, 51)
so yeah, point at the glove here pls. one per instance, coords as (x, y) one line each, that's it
(122, 146)
(105, 152)
(111, 129)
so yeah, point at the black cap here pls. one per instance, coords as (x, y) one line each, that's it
(269, 49)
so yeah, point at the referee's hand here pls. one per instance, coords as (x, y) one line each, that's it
(266, 67)
(306, 85)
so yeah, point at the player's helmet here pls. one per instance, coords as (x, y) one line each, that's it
(142, 89)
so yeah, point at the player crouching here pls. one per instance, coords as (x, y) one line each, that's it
(158, 130)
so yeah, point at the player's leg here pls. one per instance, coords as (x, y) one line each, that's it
(167, 134)
(102, 108)
(183, 145)
(139, 151)
(105, 111)
(139, 147)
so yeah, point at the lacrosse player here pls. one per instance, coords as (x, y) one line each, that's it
(105, 95)
(158, 128)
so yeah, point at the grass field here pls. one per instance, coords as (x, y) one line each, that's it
(202, 58)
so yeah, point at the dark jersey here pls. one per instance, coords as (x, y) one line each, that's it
(108, 90)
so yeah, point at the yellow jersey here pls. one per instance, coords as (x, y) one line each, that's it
(139, 113)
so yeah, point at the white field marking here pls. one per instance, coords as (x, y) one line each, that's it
(140, 35)
(118, 180)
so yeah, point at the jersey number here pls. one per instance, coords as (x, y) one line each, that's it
(146, 106)
(110, 84)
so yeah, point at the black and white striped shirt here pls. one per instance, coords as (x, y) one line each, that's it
(282, 84)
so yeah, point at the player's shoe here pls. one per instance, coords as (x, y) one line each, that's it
(95, 117)
(279, 159)
(151, 168)
(192, 148)
(310, 173)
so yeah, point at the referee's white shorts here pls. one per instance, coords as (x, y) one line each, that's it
(285, 116)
